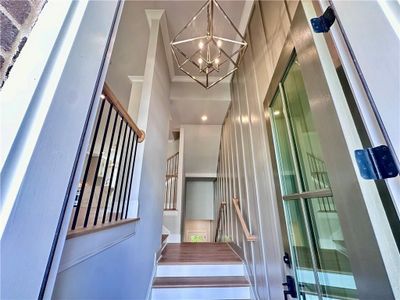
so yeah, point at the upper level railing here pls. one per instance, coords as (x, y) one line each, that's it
(220, 221)
(105, 185)
(171, 180)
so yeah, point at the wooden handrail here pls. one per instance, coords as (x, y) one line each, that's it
(100, 227)
(172, 156)
(221, 206)
(249, 236)
(110, 97)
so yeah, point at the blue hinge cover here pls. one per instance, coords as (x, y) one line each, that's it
(376, 163)
(324, 22)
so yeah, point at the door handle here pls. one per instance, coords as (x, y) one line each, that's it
(291, 287)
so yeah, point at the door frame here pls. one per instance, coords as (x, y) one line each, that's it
(370, 271)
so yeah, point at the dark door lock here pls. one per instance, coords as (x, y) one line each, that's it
(291, 287)
(287, 260)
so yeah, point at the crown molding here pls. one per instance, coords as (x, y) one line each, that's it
(134, 78)
(159, 14)
(187, 79)
(154, 14)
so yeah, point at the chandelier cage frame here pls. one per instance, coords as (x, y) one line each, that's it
(210, 66)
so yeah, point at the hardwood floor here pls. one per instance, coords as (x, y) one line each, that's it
(210, 281)
(199, 253)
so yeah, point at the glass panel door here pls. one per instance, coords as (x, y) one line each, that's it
(318, 250)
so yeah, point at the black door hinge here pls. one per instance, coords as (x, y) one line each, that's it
(324, 22)
(376, 163)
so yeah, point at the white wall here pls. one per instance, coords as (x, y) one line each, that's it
(245, 169)
(172, 147)
(57, 114)
(135, 97)
(173, 220)
(382, 43)
(199, 200)
(129, 53)
(202, 227)
(201, 150)
(125, 270)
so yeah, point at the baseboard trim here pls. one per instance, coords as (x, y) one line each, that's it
(235, 248)
(153, 275)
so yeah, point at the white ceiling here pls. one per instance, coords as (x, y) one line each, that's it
(130, 50)
(190, 101)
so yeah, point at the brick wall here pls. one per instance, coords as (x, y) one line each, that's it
(17, 17)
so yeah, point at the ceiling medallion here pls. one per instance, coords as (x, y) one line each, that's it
(209, 48)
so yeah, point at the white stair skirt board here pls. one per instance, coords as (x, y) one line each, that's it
(201, 293)
(174, 238)
(200, 270)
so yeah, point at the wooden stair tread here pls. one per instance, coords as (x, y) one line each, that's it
(199, 253)
(188, 282)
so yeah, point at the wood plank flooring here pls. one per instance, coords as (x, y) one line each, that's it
(199, 253)
(188, 282)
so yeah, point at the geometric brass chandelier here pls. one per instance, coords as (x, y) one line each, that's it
(209, 48)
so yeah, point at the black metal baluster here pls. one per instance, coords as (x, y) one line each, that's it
(106, 169)
(96, 173)
(78, 207)
(128, 174)
(133, 169)
(112, 171)
(124, 171)
(118, 173)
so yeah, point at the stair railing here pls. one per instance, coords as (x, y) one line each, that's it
(249, 236)
(220, 221)
(105, 187)
(171, 182)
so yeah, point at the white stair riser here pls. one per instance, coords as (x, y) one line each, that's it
(200, 270)
(201, 293)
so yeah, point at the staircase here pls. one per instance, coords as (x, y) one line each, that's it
(189, 271)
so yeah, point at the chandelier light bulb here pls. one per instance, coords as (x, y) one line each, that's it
(219, 43)
(216, 61)
(200, 60)
(201, 45)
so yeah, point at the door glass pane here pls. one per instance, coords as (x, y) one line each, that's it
(318, 250)
(312, 166)
(300, 249)
(334, 271)
(282, 147)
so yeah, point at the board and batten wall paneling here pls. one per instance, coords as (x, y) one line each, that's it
(233, 176)
(247, 248)
(238, 164)
(245, 169)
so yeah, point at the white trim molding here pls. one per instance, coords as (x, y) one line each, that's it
(134, 78)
